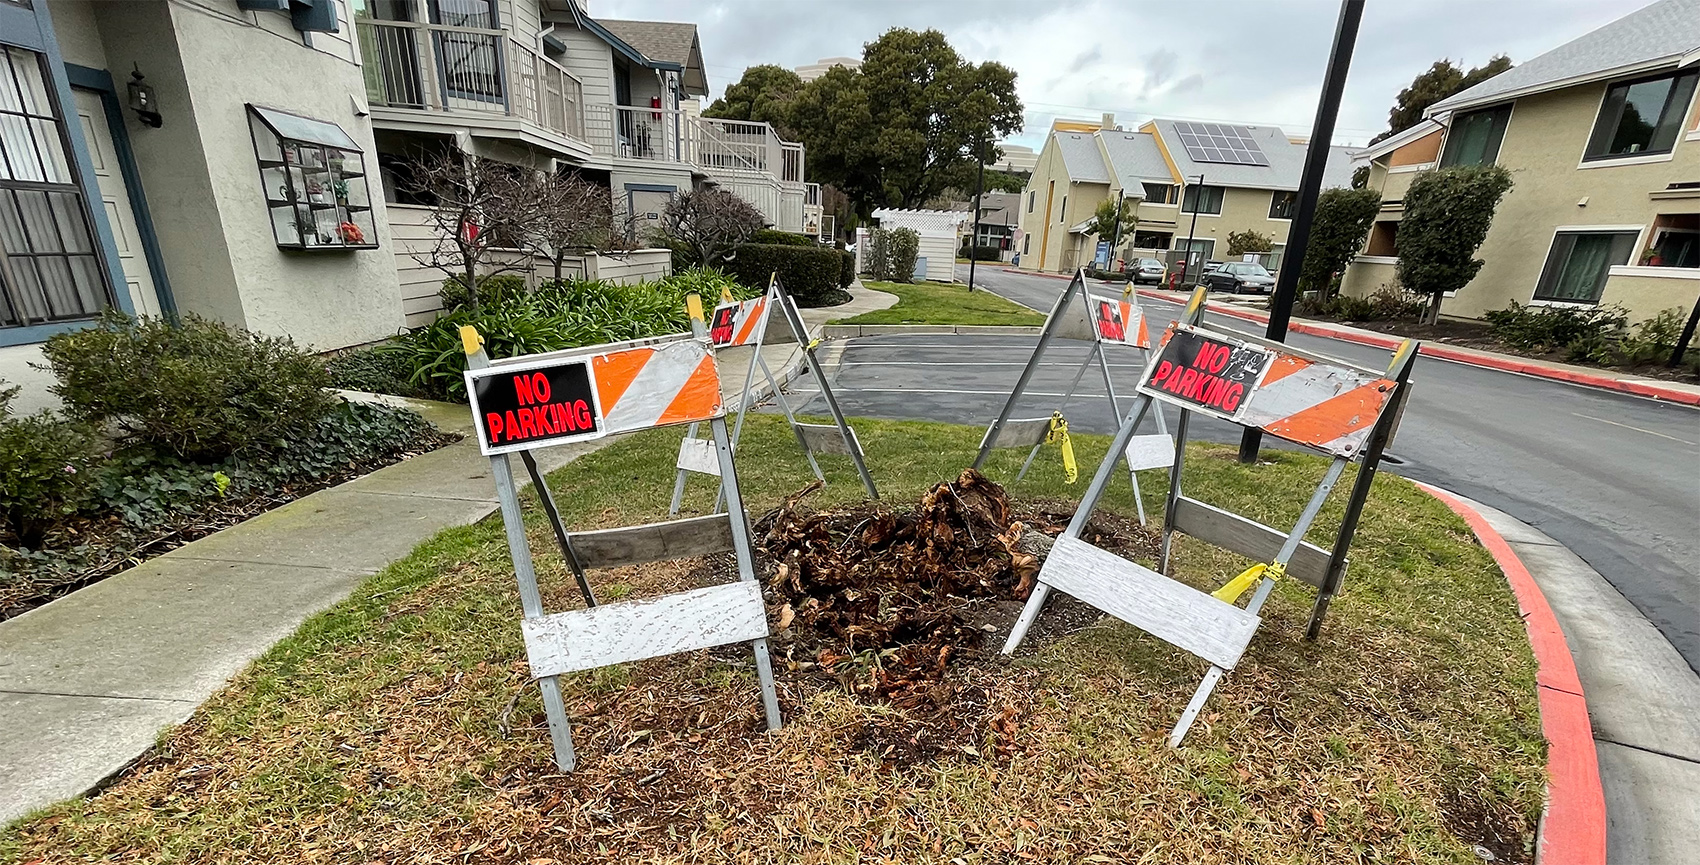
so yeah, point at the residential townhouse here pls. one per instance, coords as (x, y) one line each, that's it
(1602, 139)
(1232, 177)
(235, 158)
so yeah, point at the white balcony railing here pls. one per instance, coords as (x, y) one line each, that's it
(436, 67)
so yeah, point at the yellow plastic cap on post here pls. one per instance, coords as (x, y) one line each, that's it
(470, 341)
(693, 306)
(726, 294)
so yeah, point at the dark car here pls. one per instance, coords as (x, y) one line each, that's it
(1146, 270)
(1241, 277)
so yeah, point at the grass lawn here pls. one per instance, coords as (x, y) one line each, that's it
(399, 727)
(941, 303)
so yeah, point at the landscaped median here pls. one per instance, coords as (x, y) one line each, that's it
(939, 303)
(400, 725)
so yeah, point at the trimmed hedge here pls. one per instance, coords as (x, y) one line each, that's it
(781, 238)
(979, 253)
(847, 274)
(811, 273)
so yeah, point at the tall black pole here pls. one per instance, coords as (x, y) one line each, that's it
(974, 241)
(1116, 230)
(1316, 160)
(1192, 233)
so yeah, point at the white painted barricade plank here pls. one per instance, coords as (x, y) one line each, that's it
(1248, 538)
(653, 542)
(826, 439)
(634, 630)
(1174, 612)
(698, 455)
(1020, 433)
(1150, 452)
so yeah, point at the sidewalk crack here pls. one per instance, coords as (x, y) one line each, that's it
(1647, 750)
(95, 696)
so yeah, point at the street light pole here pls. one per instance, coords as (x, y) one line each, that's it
(1316, 160)
(974, 239)
(1192, 233)
(1116, 229)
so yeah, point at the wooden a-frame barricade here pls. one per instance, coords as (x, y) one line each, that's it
(1102, 321)
(1331, 406)
(523, 403)
(745, 323)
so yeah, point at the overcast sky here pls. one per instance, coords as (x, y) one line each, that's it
(1252, 61)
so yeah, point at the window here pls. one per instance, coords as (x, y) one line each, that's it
(1676, 241)
(1159, 193)
(1151, 239)
(1197, 250)
(1273, 263)
(1576, 267)
(1281, 204)
(1031, 197)
(1026, 243)
(1474, 137)
(1062, 212)
(1641, 117)
(1383, 239)
(314, 178)
(50, 268)
(1211, 200)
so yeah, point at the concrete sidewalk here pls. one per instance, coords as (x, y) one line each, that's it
(90, 681)
(1643, 701)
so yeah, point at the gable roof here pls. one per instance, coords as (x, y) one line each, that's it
(1663, 35)
(1080, 157)
(1135, 158)
(1423, 128)
(667, 42)
(1284, 171)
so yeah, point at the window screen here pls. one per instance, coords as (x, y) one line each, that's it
(1641, 117)
(1202, 199)
(50, 267)
(1474, 137)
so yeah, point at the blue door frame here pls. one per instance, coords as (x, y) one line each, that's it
(32, 29)
(100, 81)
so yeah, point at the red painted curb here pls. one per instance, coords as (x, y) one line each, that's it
(1573, 829)
(1444, 352)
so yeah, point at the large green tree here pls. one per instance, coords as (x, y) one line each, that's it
(1337, 231)
(906, 125)
(1447, 214)
(764, 95)
(1440, 81)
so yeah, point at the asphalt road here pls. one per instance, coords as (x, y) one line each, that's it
(1614, 477)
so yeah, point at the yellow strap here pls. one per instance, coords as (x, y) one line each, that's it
(1128, 292)
(1058, 435)
(814, 344)
(1235, 587)
(469, 339)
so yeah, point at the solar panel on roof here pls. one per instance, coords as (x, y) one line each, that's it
(1220, 143)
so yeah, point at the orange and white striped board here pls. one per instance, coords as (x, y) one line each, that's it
(1119, 321)
(1326, 404)
(560, 398)
(738, 323)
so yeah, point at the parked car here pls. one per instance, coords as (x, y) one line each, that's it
(1241, 277)
(1146, 270)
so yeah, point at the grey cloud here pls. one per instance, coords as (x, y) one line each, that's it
(1086, 59)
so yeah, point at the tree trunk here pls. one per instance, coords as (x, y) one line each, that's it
(1433, 316)
(559, 260)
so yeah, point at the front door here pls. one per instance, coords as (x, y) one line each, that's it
(115, 199)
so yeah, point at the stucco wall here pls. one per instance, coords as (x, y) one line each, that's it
(1367, 275)
(1645, 291)
(1542, 149)
(325, 299)
(18, 369)
(1242, 210)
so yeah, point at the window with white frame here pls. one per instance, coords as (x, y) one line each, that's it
(1474, 137)
(1641, 117)
(1281, 204)
(1579, 261)
(50, 265)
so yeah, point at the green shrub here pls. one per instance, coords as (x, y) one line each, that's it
(846, 269)
(1554, 328)
(1386, 304)
(493, 290)
(1111, 275)
(781, 238)
(555, 316)
(44, 470)
(374, 370)
(811, 274)
(1653, 340)
(979, 253)
(202, 390)
(904, 245)
(709, 283)
(877, 257)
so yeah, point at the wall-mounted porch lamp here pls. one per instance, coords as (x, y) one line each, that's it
(142, 100)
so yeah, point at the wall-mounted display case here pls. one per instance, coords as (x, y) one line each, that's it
(314, 177)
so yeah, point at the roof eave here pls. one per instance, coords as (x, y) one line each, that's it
(1455, 104)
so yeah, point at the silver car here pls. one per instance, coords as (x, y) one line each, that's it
(1147, 270)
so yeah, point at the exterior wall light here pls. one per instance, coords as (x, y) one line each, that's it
(143, 101)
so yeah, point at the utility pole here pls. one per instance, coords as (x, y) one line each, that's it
(974, 240)
(1316, 159)
(1192, 233)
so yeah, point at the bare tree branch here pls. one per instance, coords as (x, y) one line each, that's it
(481, 205)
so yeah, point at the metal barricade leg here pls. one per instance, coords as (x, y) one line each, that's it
(560, 529)
(785, 406)
(746, 563)
(1067, 396)
(1052, 322)
(679, 481)
(1174, 495)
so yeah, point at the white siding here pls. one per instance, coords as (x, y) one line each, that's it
(592, 61)
(410, 232)
(940, 252)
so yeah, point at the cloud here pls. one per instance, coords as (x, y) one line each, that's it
(1250, 61)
